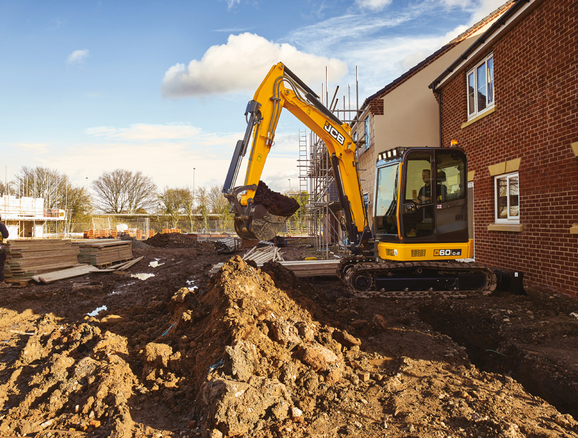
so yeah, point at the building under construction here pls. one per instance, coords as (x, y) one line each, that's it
(323, 210)
(27, 217)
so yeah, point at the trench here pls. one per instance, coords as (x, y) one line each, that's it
(492, 350)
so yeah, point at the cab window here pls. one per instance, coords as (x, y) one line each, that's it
(386, 200)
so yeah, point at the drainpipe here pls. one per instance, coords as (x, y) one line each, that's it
(439, 93)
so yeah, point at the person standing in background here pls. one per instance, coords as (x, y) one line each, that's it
(3, 235)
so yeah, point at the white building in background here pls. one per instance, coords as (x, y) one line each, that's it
(27, 217)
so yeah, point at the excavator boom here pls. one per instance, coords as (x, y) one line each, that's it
(282, 89)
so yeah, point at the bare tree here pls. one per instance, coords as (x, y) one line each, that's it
(78, 203)
(55, 188)
(41, 182)
(189, 206)
(123, 191)
(7, 189)
(173, 203)
(202, 197)
(218, 204)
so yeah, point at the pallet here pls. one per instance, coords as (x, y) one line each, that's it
(112, 264)
(17, 282)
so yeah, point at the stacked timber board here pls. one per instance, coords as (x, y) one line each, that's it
(103, 253)
(26, 258)
(302, 268)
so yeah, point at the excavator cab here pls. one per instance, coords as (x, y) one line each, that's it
(421, 205)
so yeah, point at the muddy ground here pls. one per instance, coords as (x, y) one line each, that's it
(260, 353)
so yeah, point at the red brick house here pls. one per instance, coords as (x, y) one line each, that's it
(511, 102)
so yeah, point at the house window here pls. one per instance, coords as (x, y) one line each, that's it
(367, 132)
(480, 83)
(507, 199)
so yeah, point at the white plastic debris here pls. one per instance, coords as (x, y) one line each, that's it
(142, 276)
(97, 311)
(155, 263)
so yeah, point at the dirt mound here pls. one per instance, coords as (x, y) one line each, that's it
(275, 202)
(172, 240)
(263, 365)
(78, 380)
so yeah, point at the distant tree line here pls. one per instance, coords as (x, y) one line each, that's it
(124, 191)
(119, 191)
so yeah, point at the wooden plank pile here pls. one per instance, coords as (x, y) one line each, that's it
(312, 268)
(302, 268)
(102, 253)
(50, 277)
(28, 257)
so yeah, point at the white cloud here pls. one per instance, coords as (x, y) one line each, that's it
(171, 163)
(241, 65)
(482, 8)
(77, 57)
(231, 3)
(35, 148)
(373, 5)
(384, 46)
(146, 132)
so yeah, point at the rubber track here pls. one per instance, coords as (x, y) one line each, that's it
(361, 265)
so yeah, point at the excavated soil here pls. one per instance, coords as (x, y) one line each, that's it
(275, 202)
(257, 352)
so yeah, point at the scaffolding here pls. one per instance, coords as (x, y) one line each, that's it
(323, 211)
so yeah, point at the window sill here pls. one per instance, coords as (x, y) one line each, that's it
(574, 229)
(481, 116)
(512, 228)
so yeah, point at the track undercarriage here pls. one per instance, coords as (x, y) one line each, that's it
(415, 279)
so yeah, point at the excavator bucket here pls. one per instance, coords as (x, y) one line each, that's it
(266, 215)
(259, 224)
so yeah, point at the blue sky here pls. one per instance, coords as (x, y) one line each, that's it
(161, 86)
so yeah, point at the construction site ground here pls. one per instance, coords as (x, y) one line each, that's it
(258, 352)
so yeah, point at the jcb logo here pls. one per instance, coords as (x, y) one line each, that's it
(334, 133)
(447, 252)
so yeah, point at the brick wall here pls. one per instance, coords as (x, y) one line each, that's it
(536, 119)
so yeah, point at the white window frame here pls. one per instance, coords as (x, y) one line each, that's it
(473, 100)
(366, 124)
(510, 219)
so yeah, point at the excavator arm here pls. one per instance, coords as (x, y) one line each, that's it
(282, 89)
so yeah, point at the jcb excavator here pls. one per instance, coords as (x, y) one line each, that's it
(420, 225)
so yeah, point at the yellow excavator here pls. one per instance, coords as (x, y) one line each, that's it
(420, 229)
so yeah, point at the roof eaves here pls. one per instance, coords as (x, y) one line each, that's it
(471, 30)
